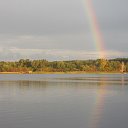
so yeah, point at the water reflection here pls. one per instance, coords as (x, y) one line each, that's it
(123, 81)
(99, 105)
(73, 82)
(59, 102)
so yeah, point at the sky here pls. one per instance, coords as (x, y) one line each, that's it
(60, 30)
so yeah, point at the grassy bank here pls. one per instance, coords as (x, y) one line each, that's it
(10, 73)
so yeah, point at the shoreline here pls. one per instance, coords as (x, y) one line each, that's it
(75, 72)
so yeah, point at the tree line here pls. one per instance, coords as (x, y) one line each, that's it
(99, 65)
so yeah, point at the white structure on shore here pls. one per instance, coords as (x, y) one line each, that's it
(122, 67)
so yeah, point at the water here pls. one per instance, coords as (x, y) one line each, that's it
(64, 101)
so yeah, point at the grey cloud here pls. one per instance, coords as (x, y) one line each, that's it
(117, 40)
(69, 41)
(112, 14)
(41, 16)
(62, 25)
(54, 54)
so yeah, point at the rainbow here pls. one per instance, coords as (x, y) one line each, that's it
(97, 36)
(99, 104)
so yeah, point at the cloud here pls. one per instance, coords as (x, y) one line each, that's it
(54, 54)
(65, 41)
(60, 29)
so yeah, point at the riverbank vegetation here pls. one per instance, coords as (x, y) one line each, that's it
(43, 66)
